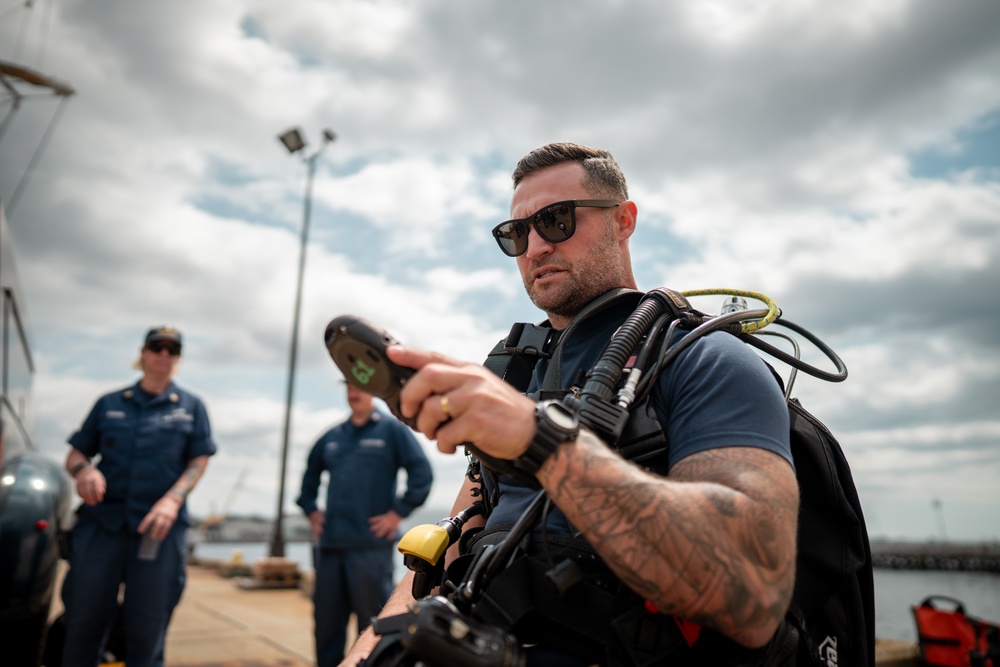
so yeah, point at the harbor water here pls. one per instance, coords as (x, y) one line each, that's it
(896, 591)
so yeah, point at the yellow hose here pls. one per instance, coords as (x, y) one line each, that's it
(748, 327)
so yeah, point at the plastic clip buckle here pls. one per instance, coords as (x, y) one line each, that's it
(531, 340)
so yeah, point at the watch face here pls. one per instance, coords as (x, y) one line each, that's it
(558, 414)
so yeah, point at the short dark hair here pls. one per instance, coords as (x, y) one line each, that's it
(604, 176)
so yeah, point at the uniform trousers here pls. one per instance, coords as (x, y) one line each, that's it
(348, 581)
(100, 561)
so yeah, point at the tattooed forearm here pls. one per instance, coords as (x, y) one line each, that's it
(189, 478)
(713, 542)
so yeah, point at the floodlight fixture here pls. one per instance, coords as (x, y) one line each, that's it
(293, 140)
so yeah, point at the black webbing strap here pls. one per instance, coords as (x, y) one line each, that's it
(513, 359)
(586, 620)
(523, 588)
(553, 374)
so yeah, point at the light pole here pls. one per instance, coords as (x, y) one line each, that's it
(294, 142)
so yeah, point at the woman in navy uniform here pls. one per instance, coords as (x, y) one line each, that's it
(135, 459)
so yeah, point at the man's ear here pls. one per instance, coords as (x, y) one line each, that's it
(625, 216)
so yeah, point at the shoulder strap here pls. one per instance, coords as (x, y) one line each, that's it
(513, 359)
(553, 375)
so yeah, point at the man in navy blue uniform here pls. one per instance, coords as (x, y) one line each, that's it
(135, 459)
(356, 532)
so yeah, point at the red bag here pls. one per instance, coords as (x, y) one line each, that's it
(950, 638)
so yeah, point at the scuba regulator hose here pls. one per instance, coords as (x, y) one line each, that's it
(774, 317)
(647, 335)
(423, 548)
(651, 327)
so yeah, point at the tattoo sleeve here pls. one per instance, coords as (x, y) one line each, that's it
(713, 542)
(189, 478)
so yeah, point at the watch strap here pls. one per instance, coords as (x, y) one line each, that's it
(548, 436)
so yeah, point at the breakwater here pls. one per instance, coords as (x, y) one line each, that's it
(948, 556)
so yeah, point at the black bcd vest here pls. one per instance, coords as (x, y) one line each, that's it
(832, 613)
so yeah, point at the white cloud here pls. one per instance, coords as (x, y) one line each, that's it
(820, 154)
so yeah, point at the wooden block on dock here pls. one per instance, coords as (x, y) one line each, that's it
(891, 653)
(260, 584)
(275, 568)
(270, 573)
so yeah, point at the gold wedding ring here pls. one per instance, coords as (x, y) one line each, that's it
(444, 406)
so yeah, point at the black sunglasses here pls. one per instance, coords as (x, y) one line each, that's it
(555, 223)
(158, 346)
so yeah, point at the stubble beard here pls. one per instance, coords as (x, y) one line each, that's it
(584, 281)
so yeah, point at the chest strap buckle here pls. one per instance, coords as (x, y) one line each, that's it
(532, 340)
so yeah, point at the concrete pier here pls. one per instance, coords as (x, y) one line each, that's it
(219, 624)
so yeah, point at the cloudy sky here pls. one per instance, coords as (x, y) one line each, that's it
(843, 158)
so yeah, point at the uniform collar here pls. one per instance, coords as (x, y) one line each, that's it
(373, 418)
(168, 395)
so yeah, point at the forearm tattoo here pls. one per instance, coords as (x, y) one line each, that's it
(189, 478)
(714, 542)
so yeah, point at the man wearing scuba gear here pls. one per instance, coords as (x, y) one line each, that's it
(708, 538)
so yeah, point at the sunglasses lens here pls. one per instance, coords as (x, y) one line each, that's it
(555, 223)
(158, 347)
(512, 237)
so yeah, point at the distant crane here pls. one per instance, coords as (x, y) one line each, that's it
(211, 526)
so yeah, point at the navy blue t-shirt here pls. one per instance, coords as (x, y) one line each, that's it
(717, 393)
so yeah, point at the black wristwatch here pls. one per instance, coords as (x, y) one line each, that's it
(556, 424)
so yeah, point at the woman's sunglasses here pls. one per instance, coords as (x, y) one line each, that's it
(555, 223)
(158, 346)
